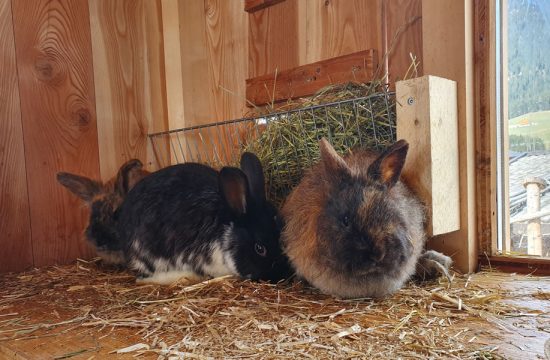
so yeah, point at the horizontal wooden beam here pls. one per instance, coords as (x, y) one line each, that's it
(307, 79)
(255, 5)
(523, 265)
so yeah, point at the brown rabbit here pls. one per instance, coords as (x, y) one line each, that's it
(353, 229)
(103, 199)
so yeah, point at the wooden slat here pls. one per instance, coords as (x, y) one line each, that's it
(129, 79)
(213, 54)
(255, 5)
(485, 119)
(341, 27)
(275, 39)
(427, 119)
(447, 31)
(307, 79)
(54, 63)
(403, 37)
(15, 227)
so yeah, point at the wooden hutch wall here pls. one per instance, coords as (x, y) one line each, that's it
(83, 82)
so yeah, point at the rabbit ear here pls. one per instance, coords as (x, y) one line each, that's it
(252, 168)
(387, 167)
(234, 189)
(81, 186)
(128, 175)
(333, 162)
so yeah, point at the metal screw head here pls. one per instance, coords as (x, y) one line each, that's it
(410, 101)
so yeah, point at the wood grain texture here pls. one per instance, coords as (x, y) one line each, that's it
(15, 226)
(54, 64)
(447, 43)
(485, 124)
(340, 27)
(403, 30)
(256, 5)
(128, 55)
(277, 38)
(305, 80)
(427, 119)
(214, 66)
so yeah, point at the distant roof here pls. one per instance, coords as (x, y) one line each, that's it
(523, 165)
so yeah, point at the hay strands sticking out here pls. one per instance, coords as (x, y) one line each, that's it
(350, 115)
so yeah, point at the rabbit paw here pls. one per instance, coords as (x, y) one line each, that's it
(433, 264)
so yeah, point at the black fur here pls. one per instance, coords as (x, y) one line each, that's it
(177, 214)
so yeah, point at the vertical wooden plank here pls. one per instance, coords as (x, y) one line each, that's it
(52, 41)
(227, 49)
(427, 119)
(447, 43)
(485, 124)
(173, 62)
(403, 36)
(341, 27)
(129, 79)
(15, 226)
(214, 60)
(273, 40)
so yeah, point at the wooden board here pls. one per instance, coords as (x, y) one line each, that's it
(129, 79)
(54, 63)
(340, 27)
(15, 227)
(427, 119)
(213, 54)
(256, 5)
(485, 118)
(403, 30)
(275, 40)
(447, 42)
(305, 80)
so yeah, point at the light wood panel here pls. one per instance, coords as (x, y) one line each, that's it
(340, 27)
(403, 37)
(15, 227)
(213, 45)
(447, 37)
(59, 123)
(128, 56)
(275, 40)
(427, 119)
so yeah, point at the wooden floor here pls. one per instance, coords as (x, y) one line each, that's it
(52, 329)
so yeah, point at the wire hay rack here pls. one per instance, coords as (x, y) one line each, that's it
(286, 141)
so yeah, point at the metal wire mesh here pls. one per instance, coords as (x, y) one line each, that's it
(286, 142)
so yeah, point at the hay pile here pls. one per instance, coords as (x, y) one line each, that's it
(287, 143)
(230, 318)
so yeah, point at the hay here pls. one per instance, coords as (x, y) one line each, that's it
(231, 318)
(288, 143)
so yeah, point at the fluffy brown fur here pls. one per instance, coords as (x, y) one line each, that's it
(352, 228)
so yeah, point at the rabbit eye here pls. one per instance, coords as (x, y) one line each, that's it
(260, 249)
(345, 221)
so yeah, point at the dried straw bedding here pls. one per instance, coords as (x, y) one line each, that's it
(232, 318)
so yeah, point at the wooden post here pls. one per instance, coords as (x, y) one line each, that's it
(534, 185)
(427, 119)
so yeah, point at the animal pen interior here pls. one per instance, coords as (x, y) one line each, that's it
(89, 84)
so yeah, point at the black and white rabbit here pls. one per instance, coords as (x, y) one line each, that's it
(353, 229)
(191, 221)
